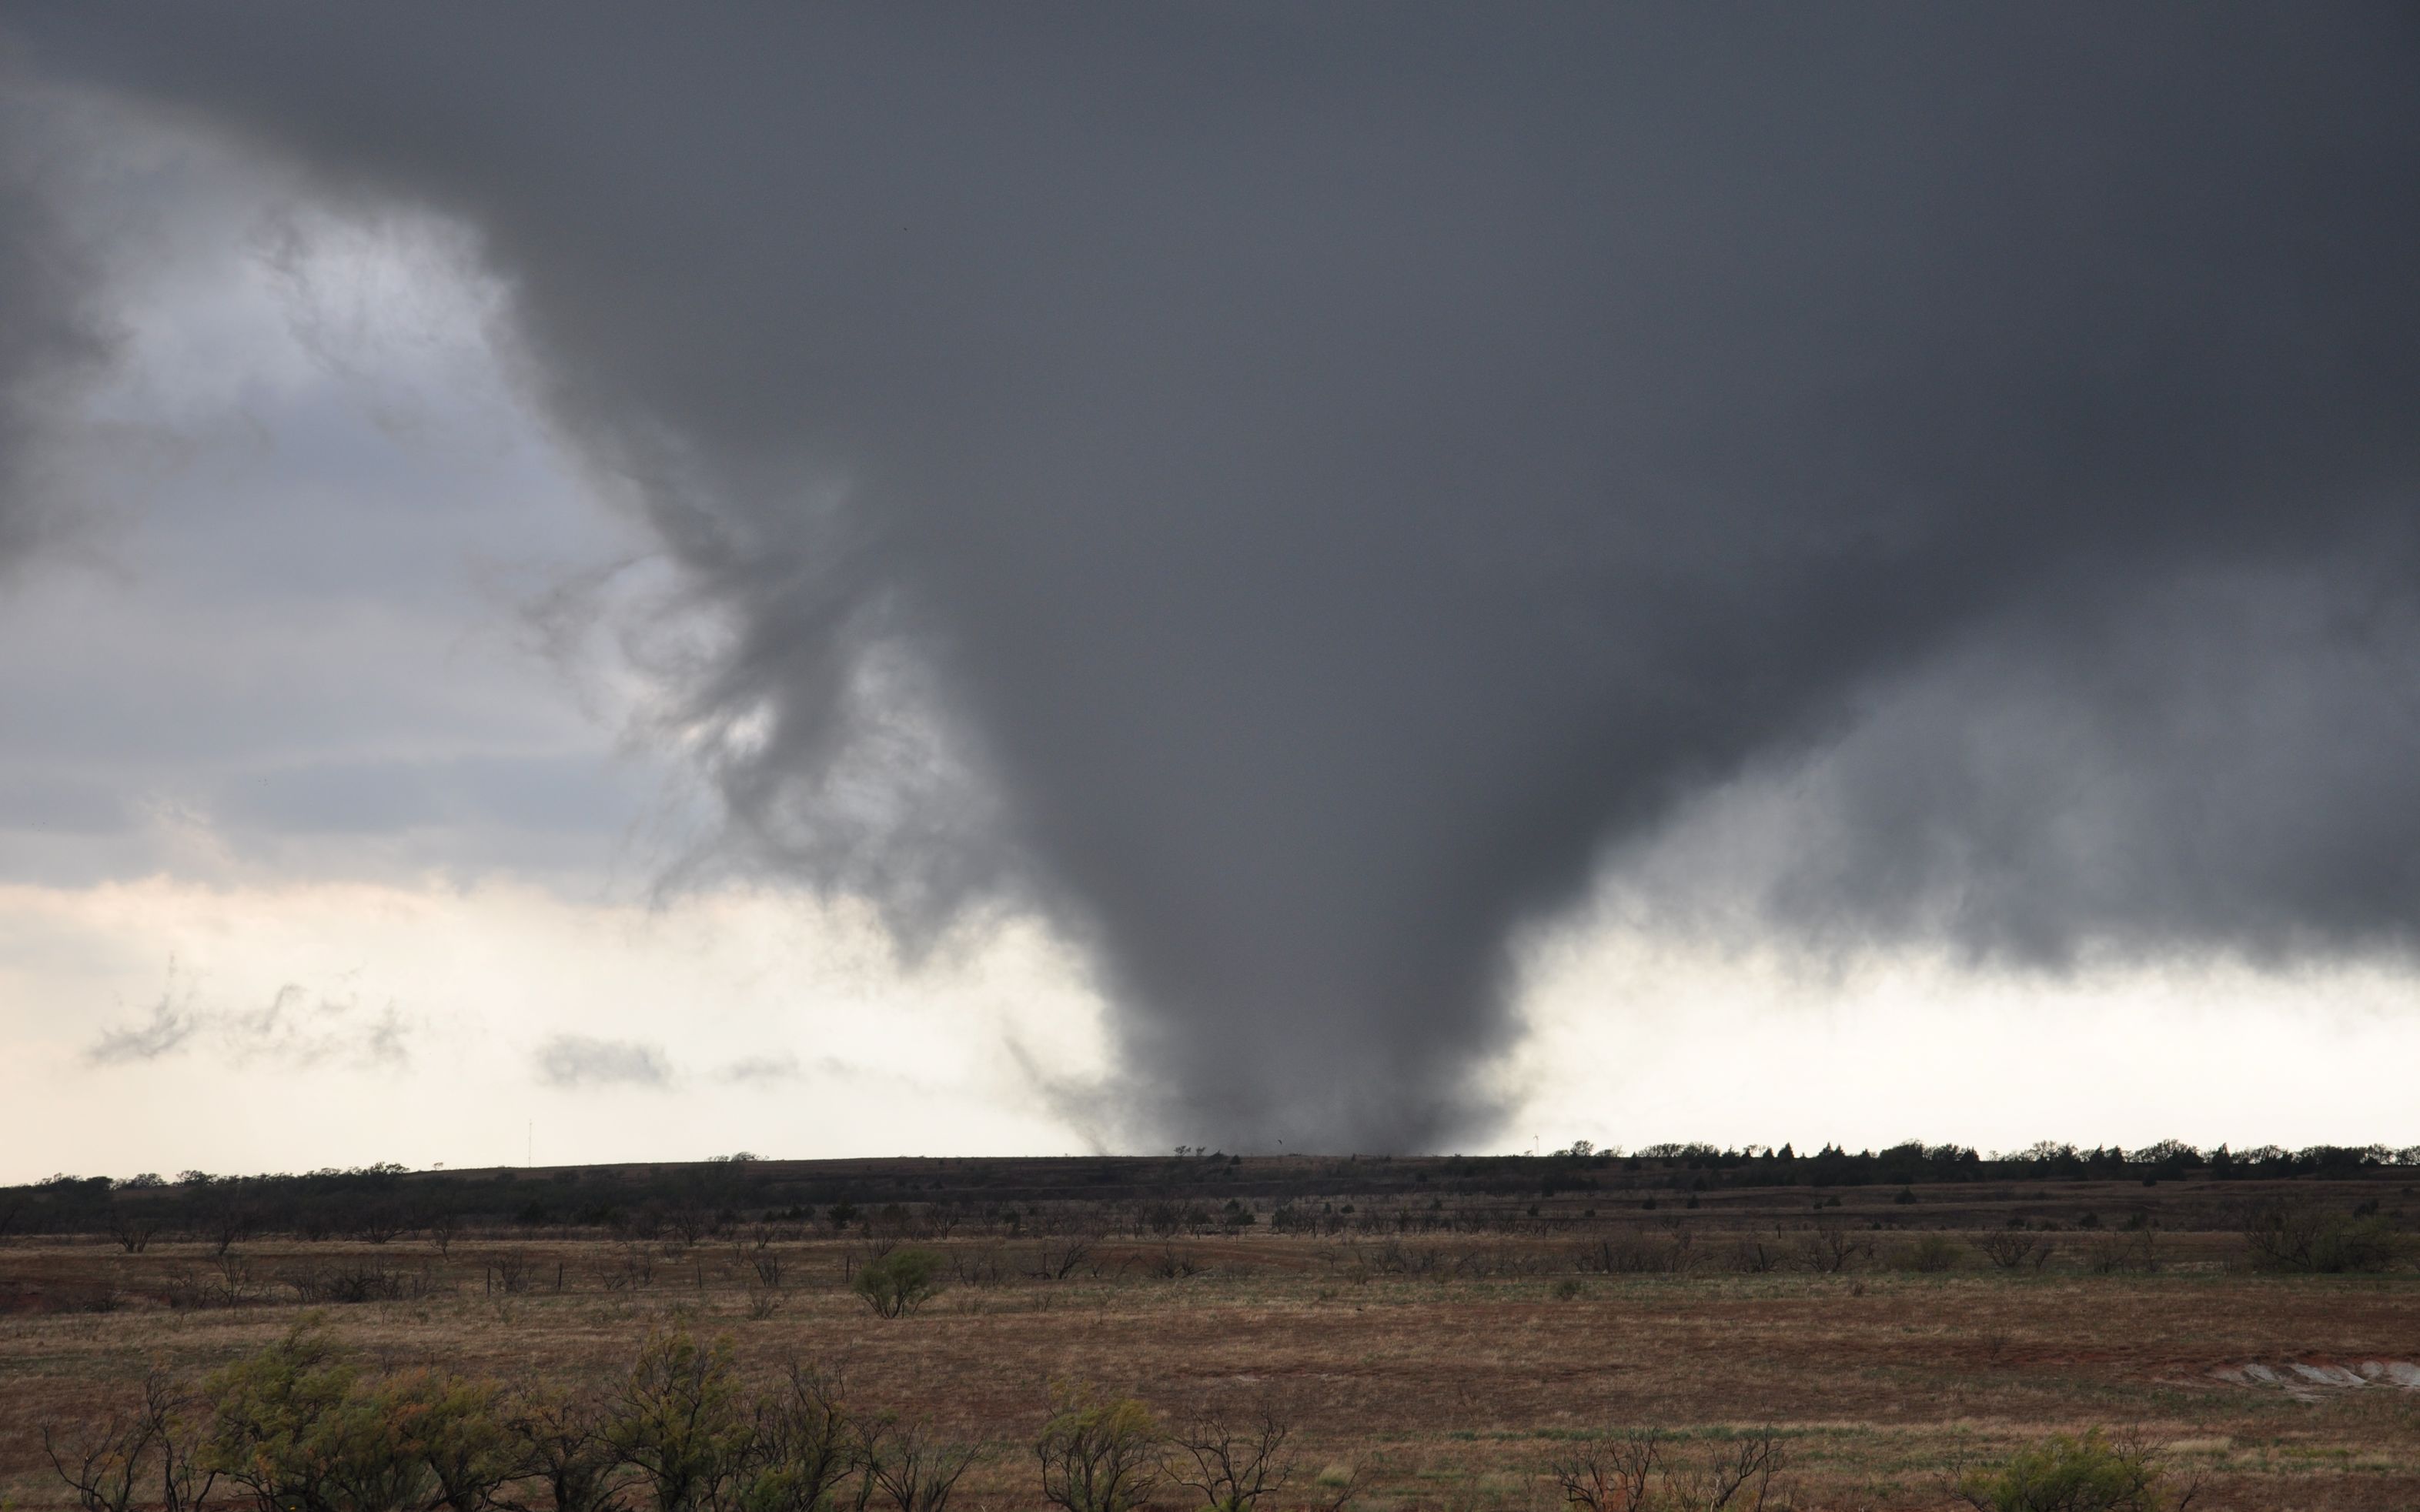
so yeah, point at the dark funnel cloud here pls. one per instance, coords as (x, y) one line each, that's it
(1288, 490)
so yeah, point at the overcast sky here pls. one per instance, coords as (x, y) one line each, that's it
(853, 582)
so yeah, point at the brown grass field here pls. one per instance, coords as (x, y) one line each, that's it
(1450, 1366)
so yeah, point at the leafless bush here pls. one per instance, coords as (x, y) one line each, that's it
(911, 1469)
(358, 1281)
(1830, 1246)
(2011, 1248)
(512, 1272)
(1609, 1475)
(1635, 1472)
(228, 1283)
(381, 1225)
(1741, 1478)
(2109, 1254)
(689, 1221)
(226, 1225)
(634, 1269)
(1231, 1461)
(142, 1457)
(1059, 1257)
(1638, 1252)
(1753, 1255)
(2296, 1234)
(804, 1445)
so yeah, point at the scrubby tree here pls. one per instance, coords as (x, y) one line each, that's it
(679, 1422)
(1098, 1453)
(2090, 1474)
(567, 1448)
(898, 1283)
(804, 1445)
(2296, 1234)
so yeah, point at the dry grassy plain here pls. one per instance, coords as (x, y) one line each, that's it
(1452, 1366)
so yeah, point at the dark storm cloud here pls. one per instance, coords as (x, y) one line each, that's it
(50, 339)
(1330, 474)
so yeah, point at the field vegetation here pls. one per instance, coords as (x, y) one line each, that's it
(1594, 1330)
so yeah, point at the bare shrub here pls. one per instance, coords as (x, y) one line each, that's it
(1929, 1256)
(2298, 1235)
(2011, 1248)
(1634, 1471)
(1752, 1254)
(140, 1457)
(1741, 1477)
(803, 1446)
(1638, 1252)
(133, 1231)
(634, 1269)
(358, 1281)
(381, 1225)
(1829, 1245)
(1609, 1475)
(512, 1272)
(1232, 1461)
(1060, 1256)
(908, 1466)
(2110, 1254)
(226, 1283)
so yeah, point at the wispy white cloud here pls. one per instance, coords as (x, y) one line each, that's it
(296, 1028)
(572, 1061)
(763, 1068)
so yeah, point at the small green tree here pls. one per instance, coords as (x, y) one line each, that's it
(564, 1443)
(296, 1426)
(677, 1420)
(1098, 1453)
(2091, 1473)
(455, 1426)
(899, 1282)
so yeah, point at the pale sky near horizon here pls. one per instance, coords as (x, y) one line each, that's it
(341, 820)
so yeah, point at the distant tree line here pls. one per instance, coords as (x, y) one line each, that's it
(1198, 1188)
